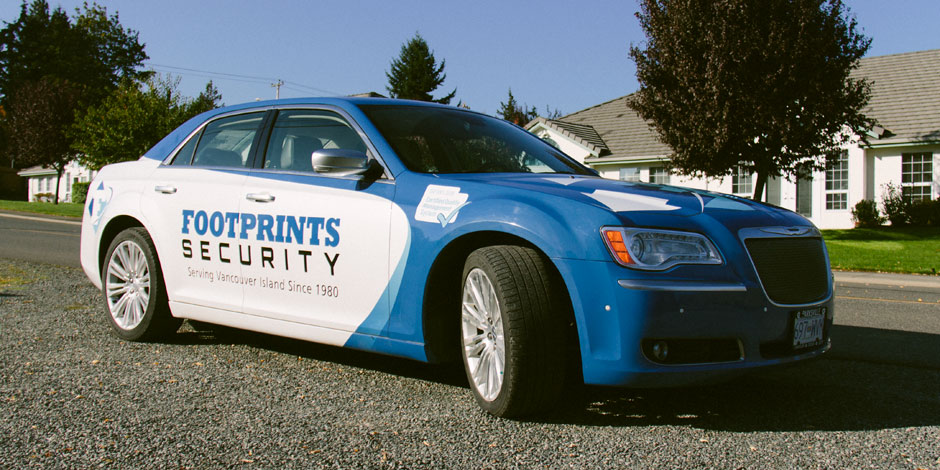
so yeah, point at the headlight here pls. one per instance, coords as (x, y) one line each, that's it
(656, 250)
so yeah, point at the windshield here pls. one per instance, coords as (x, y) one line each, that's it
(441, 140)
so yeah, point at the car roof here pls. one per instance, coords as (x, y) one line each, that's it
(173, 139)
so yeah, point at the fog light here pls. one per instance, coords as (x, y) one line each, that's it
(660, 350)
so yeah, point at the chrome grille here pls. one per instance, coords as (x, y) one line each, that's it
(793, 271)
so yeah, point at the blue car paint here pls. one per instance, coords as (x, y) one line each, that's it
(563, 220)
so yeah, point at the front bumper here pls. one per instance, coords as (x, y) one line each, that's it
(727, 326)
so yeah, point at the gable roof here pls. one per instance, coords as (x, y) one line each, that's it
(905, 99)
(905, 95)
(581, 133)
(37, 170)
(625, 133)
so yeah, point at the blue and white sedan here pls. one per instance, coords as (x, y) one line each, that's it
(436, 233)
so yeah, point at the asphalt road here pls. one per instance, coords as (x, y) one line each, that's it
(52, 240)
(74, 396)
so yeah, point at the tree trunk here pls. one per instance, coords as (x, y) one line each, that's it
(760, 184)
(58, 182)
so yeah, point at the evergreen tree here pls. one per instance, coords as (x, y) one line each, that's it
(415, 73)
(761, 84)
(520, 114)
(515, 113)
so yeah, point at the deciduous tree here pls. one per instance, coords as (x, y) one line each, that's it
(134, 118)
(35, 123)
(762, 84)
(45, 49)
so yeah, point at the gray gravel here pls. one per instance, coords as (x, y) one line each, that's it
(73, 395)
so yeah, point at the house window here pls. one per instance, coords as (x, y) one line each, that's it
(659, 175)
(742, 182)
(837, 183)
(916, 176)
(630, 174)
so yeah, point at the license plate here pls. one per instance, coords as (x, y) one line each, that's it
(808, 327)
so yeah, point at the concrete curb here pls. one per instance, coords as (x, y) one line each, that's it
(56, 219)
(887, 279)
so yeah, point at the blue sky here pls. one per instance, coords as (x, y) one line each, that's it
(569, 55)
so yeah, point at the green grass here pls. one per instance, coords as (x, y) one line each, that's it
(66, 209)
(886, 249)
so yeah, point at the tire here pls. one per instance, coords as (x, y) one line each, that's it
(134, 293)
(513, 330)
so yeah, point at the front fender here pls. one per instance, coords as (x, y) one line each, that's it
(114, 194)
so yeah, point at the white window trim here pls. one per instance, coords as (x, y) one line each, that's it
(927, 175)
(843, 163)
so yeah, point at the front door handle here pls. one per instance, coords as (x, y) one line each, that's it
(260, 197)
(165, 189)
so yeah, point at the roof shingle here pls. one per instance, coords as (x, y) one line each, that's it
(905, 99)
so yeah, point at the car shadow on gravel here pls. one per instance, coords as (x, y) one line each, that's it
(872, 379)
(867, 382)
(446, 374)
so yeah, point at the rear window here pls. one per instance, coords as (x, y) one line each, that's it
(226, 142)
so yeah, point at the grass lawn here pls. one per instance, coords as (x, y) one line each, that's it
(885, 249)
(62, 208)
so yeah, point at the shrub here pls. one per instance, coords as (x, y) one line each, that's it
(923, 213)
(895, 206)
(43, 197)
(865, 214)
(79, 192)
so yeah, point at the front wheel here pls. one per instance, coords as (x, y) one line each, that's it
(513, 330)
(134, 293)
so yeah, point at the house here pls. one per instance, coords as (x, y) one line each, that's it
(903, 150)
(41, 181)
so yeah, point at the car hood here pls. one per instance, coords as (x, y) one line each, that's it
(620, 196)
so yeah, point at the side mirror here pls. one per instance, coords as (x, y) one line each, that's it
(340, 162)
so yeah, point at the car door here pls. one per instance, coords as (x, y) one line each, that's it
(320, 253)
(193, 212)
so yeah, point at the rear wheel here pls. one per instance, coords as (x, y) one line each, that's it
(513, 330)
(132, 282)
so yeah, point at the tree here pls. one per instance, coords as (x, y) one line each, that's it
(134, 118)
(94, 52)
(415, 73)
(43, 49)
(518, 114)
(35, 122)
(515, 113)
(761, 84)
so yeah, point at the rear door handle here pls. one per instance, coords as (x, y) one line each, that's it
(165, 189)
(260, 197)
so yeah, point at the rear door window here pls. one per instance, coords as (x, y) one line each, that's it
(228, 142)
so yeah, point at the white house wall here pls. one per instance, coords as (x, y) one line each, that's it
(869, 171)
(44, 181)
(886, 164)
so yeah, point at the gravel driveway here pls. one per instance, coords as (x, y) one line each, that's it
(73, 395)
